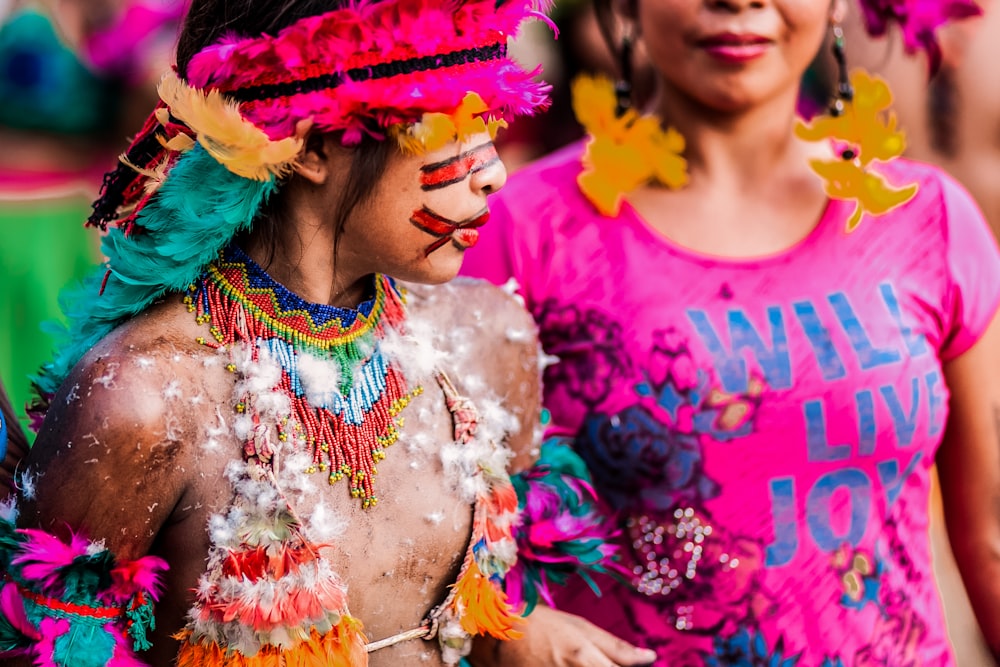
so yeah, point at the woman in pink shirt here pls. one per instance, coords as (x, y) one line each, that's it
(760, 367)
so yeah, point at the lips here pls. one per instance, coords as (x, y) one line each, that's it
(735, 48)
(733, 39)
(465, 238)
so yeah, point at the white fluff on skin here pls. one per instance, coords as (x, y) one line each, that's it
(222, 429)
(273, 405)
(221, 529)
(172, 390)
(243, 426)
(546, 360)
(108, 379)
(414, 352)
(435, 518)
(213, 360)
(259, 376)
(144, 362)
(8, 509)
(324, 525)
(26, 483)
(320, 379)
(519, 335)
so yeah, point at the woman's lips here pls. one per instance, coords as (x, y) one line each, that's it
(735, 48)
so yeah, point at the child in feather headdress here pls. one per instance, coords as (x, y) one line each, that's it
(252, 422)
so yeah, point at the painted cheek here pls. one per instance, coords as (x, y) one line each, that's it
(463, 234)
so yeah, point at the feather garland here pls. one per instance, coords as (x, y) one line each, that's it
(70, 603)
(562, 531)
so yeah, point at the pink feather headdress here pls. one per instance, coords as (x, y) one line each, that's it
(374, 64)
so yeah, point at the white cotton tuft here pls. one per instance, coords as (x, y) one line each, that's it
(546, 360)
(243, 427)
(172, 390)
(221, 531)
(218, 429)
(415, 352)
(435, 518)
(320, 379)
(519, 335)
(108, 379)
(511, 287)
(266, 373)
(8, 509)
(143, 362)
(325, 526)
(213, 360)
(26, 483)
(273, 405)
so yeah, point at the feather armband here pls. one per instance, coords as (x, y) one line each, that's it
(563, 530)
(72, 604)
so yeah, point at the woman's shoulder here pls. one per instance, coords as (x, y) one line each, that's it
(934, 183)
(939, 198)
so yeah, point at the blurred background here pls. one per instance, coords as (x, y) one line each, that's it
(77, 78)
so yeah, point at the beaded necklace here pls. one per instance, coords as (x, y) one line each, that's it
(345, 395)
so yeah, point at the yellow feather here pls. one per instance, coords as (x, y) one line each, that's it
(235, 142)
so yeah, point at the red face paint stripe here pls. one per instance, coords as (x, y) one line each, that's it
(431, 223)
(456, 169)
(428, 221)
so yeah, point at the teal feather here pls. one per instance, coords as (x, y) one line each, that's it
(84, 645)
(11, 639)
(142, 621)
(197, 210)
(10, 543)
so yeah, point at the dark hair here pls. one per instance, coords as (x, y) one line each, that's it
(208, 21)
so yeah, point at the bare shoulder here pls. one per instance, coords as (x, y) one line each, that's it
(119, 445)
(471, 302)
(490, 348)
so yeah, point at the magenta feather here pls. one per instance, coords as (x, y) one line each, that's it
(44, 555)
(367, 33)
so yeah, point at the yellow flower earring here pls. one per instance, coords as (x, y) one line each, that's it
(624, 150)
(863, 130)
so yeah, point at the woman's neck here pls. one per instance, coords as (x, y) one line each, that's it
(741, 150)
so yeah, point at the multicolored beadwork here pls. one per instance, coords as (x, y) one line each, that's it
(355, 417)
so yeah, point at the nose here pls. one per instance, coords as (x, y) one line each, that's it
(736, 6)
(490, 175)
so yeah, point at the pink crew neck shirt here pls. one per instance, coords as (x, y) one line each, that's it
(762, 428)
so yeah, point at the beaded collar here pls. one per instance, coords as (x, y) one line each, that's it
(345, 395)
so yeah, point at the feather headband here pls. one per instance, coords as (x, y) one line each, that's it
(371, 65)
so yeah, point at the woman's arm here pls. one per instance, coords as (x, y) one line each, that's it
(969, 468)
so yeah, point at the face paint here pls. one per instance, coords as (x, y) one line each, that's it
(464, 234)
(457, 169)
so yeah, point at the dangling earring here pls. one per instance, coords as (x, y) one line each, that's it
(623, 86)
(863, 131)
(845, 91)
